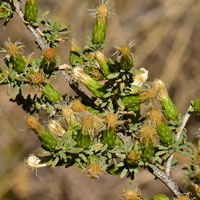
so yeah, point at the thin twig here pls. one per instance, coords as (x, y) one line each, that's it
(180, 130)
(167, 180)
(33, 31)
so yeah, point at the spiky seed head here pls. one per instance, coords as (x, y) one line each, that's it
(77, 106)
(56, 128)
(34, 162)
(140, 79)
(149, 135)
(50, 55)
(87, 122)
(36, 78)
(68, 114)
(149, 94)
(12, 49)
(156, 117)
(34, 124)
(94, 170)
(112, 120)
(132, 194)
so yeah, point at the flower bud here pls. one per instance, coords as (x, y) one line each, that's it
(168, 106)
(48, 141)
(94, 86)
(103, 63)
(148, 152)
(165, 134)
(31, 11)
(50, 55)
(125, 57)
(84, 140)
(109, 138)
(19, 63)
(75, 54)
(99, 32)
(51, 94)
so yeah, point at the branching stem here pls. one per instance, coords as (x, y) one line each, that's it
(42, 44)
(167, 180)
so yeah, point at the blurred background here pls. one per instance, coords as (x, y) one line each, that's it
(167, 36)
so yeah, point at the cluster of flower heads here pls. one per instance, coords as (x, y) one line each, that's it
(129, 122)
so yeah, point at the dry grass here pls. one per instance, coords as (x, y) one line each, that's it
(167, 44)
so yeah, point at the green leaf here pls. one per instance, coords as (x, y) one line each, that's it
(124, 173)
(113, 76)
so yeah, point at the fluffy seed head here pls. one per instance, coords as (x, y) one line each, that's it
(112, 120)
(149, 134)
(50, 54)
(132, 194)
(149, 94)
(77, 106)
(140, 79)
(34, 124)
(56, 128)
(156, 117)
(87, 123)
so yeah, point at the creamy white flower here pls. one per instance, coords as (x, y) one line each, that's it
(140, 79)
(34, 162)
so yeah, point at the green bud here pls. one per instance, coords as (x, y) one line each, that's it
(165, 134)
(84, 140)
(109, 138)
(48, 140)
(31, 11)
(148, 152)
(132, 102)
(75, 54)
(126, 57)
(94, 86)
(51, 94)
(19, 63)
(160, 197)
(103, 63)
(3, 13)
(99, 33)
(169, 109)
(168, 106)
(196, 105)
